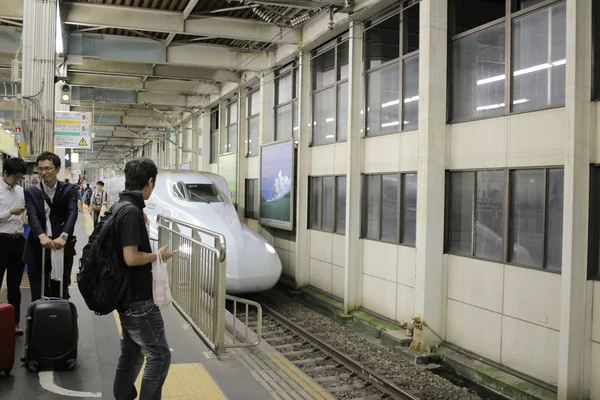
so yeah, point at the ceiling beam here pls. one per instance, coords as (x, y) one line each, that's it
(107, 16)
(217, 57)
(189, 8)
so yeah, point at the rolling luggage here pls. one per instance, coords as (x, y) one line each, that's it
(51, 334)
(7, 337)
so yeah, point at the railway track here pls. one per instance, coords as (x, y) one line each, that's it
(342, 376)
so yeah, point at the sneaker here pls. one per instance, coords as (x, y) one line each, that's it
(18, 331)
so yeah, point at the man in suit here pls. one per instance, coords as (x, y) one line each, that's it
(52, 212)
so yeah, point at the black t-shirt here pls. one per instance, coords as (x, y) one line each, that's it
(132, 232)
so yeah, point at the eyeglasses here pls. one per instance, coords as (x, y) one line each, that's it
(45, 169)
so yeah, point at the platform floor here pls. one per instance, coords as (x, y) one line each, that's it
(245, 374)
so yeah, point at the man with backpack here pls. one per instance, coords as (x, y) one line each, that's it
(143, 331)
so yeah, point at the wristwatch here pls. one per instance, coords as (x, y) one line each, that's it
(64, 237)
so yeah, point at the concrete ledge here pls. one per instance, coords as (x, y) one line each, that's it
(493, 378)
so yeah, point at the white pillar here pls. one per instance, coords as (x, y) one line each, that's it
(430, 291)
(573, 338)
(267, 114)
(197, 135)
(352, 272)
(302, 165)
(205, 140)
(39, 54)
(242, 161)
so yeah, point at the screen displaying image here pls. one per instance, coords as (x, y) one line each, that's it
(276, 185)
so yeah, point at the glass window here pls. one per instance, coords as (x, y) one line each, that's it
(232, 133)
(539, 59)
(383, 97)
(410, 92)
(323, 67)
(251, 198)
(372, 189)
(324, 117)
(316, 200)
(411, 29)
(328, 203)
(523, 4)
(389, 210)
(527, 217)
(295, 119)
(343, 52)
(489, 207)
(254, 103)
(342, 112)
(478, 70)
(383, 42)
(283, 118)
(214, 119)
(409, 209)
(461, 212)
(340, 219)
(203, 193)
(469, 14)
(284, 88)
(253, 135)
(232, 113)
(556, 184)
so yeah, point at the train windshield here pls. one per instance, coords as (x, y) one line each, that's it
(204, 192)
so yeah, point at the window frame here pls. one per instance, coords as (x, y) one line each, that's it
(228, 124)
(507, 20)
(250, 107)
(311, 205)
(399, 207)
(507, 214)
(254, 213)
(401, 10)
(595, 95)
(292, 69)
(334, 44)
(214, 155)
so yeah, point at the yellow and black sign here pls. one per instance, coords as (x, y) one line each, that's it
(82, 142)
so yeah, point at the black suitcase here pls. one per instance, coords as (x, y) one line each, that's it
(51, 334)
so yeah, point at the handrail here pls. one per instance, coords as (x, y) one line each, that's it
(258, 332)
(215, 235)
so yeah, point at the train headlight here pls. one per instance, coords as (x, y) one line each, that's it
(269, 248)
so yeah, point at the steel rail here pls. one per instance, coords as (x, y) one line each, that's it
(365, 373)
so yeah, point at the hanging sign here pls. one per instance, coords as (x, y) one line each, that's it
(72, 130)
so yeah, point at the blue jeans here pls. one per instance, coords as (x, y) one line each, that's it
(143, 335)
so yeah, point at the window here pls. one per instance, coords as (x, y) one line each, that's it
(286, 104)
(389, 208)
(595, 50)
(594, 225)
(478, 216)
(252, 199)
(330, 93)
(214, 134)
(392, 72)
(253, 122)
(480, 57)
(327, 206)
(231, 130)
(198, 192)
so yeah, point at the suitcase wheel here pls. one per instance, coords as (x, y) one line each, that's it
(71, 364)
(7, 372)
(32, 366)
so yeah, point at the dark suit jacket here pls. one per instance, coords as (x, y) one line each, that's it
(62, 218)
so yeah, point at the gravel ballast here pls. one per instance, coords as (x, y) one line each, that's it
(386, 362)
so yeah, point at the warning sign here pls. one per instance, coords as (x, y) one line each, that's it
(71, 130)
(83, 143)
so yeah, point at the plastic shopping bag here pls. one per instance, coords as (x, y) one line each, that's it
(160, 282)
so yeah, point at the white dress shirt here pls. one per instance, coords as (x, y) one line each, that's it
(9, 198)
(50, 191)
(57, 256)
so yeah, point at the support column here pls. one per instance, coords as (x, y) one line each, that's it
(205, 140)
(267, 114)
(430, 291)
(197, 135)
(242, 161)
(574, 342)
(352, 272)
(39, 54)
(302, 164)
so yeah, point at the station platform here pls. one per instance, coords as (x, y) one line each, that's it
(195, 373)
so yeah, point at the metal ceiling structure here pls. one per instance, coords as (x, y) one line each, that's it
(141, 65)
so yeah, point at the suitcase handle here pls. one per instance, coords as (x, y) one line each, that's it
(44, 287)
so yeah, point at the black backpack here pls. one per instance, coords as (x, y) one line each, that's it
(103, 277)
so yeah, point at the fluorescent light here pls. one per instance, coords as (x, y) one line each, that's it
(528, 70)
(75, 157)
(390, 103)
(493, 106)
(330, 120)
(59, 38)
(410, 99)
(386, 125)
(329, 137)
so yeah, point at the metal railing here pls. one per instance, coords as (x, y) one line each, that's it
(197, 273)
(249, 334)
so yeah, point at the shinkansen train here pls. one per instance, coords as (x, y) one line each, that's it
(203, 199)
